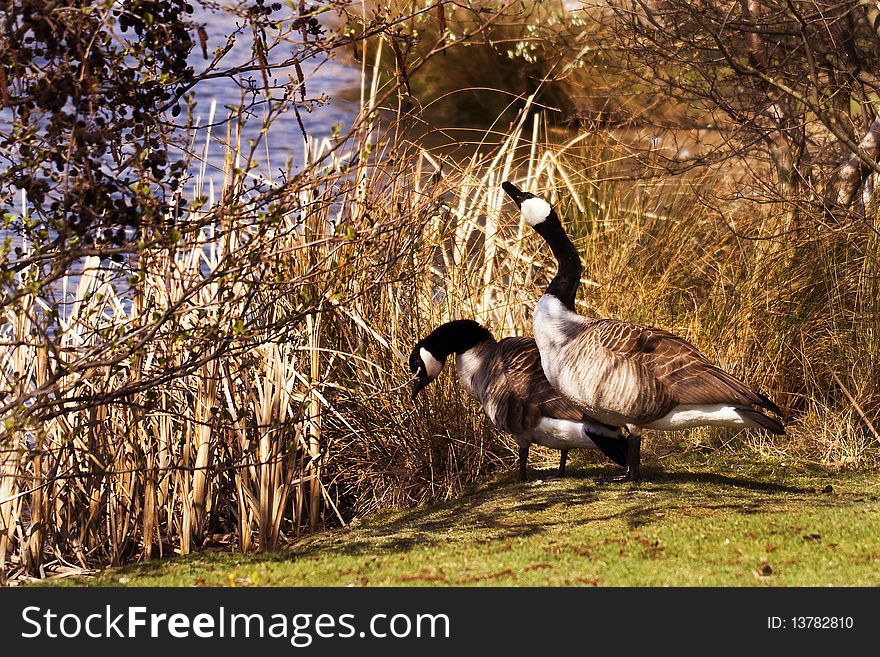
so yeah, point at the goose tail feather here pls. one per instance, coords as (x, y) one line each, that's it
(767, 403)
(613, 448)
(763, 420)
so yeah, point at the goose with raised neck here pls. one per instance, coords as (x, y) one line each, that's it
(625, 374)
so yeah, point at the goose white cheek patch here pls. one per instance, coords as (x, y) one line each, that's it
(432, 365)
(534, 210)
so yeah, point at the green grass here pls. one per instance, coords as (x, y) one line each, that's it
(708, 519)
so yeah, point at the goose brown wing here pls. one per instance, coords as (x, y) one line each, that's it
(518, 394)
(676, 364)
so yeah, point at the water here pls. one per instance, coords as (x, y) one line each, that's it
(336, 83)
(329, 80)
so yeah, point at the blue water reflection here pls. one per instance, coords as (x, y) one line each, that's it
(330, 84)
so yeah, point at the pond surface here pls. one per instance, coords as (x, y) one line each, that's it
(333, 83)
(337, 85)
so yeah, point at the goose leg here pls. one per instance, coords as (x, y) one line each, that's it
(563, 456)
(633, 458)
(523, 459)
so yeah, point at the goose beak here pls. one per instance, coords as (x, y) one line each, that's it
(418, 384)
(515, 193)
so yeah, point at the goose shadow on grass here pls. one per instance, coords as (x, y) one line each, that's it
(724, 481)
(512, 511)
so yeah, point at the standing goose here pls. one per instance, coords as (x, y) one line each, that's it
(505, 376)
(624, 374)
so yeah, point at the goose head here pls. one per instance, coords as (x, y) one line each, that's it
(541, 216)
(430, 353)
(424, 365)
(535, 210)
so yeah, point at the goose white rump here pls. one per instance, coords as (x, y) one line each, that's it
(565, 434)
(687, 416)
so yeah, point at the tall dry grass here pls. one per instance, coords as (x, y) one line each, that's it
(303, 417)
(266, 359)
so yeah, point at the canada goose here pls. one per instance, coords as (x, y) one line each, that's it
(505, 376)
(625, 374)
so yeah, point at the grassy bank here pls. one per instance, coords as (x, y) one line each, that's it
(708, 518)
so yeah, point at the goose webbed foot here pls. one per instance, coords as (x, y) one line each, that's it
(628, 475)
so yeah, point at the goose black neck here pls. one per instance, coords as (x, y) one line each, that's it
(564, 285)
(456, 337)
